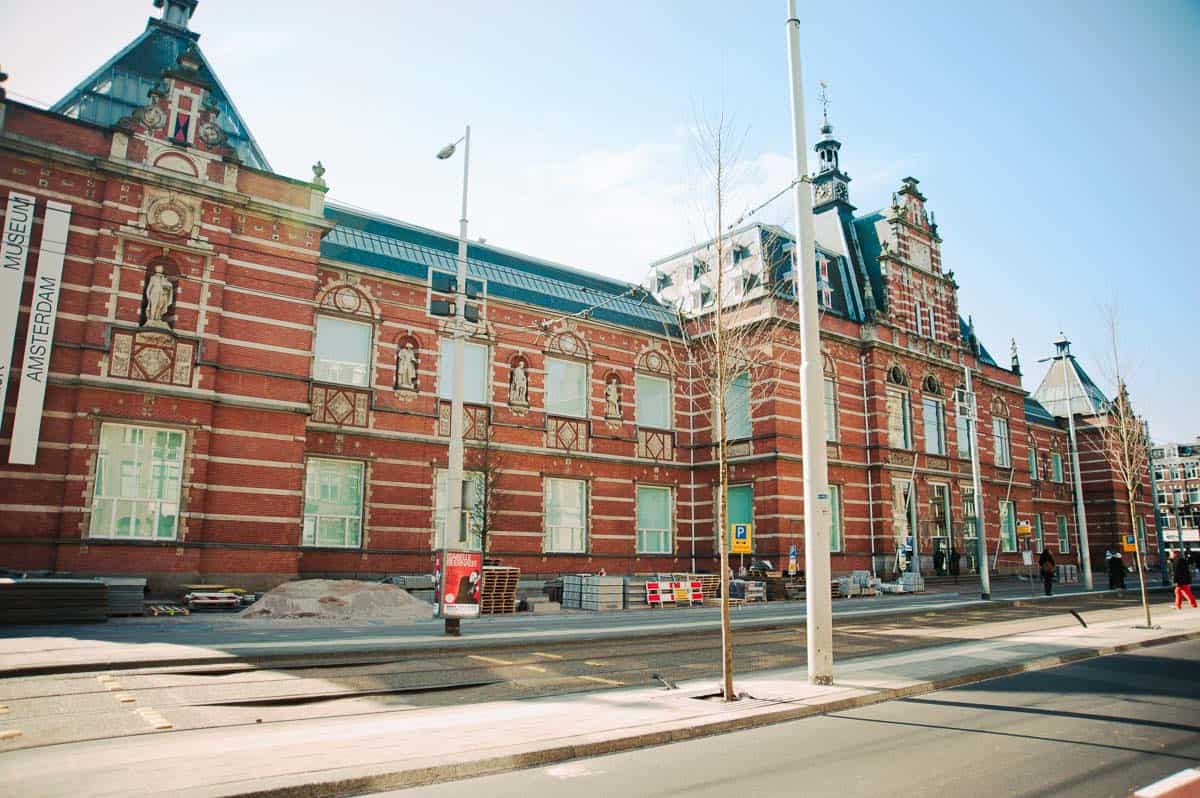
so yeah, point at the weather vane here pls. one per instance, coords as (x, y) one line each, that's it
(824, 98)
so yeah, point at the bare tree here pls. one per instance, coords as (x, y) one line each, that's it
(488, 461)
(1122, 442)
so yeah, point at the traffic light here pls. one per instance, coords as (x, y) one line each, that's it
(443, 286)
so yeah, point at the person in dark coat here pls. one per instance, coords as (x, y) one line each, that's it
(1046, 567)
(939, 562)
(1116, 572)
(954, 557)
(1182, 573)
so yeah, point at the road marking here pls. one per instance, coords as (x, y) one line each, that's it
(492, 660)
(155, 719)
(104, 677)
(601, 680)
(593, 662)
(10, 734)
(547, 656)
(3, 709)
(125, 698)
(534, 668)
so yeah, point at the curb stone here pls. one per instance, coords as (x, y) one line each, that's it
(421, 775)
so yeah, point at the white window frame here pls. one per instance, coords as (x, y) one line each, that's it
(837, 536)
(744, 427)
(334, 371)
(573, 370)
(831, 410)
(471, 531)
(906, 434)
(939, 426)
(313, 540)
(106, 493)
(577, 534)
(446, 376)
(639, 415)
(1002, 443)
(661, 534)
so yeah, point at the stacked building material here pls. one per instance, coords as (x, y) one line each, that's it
(635, 591)
(498, 593)
(603, 593)
(49, 600)
(572, 591)
(126, 595)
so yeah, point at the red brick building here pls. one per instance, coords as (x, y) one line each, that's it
(246, 383)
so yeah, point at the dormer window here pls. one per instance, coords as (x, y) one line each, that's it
(824, 290)
(664, 281)
(740, 253)
(706, 297)
(749, 282)
(699, 267)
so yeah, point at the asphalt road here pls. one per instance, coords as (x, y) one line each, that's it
(1098, 728)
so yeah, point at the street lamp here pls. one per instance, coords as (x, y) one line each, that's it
(453, 528)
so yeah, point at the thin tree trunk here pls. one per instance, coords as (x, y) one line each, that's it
(1138, 554)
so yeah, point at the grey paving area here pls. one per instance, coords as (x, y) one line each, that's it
(1102, 727)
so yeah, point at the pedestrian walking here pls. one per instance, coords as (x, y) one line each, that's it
(1116, 572)
(954, 557)
(1046, 566)
(1183, 579)
(939, 562)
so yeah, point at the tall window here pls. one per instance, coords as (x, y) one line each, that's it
(737, 408)
(1141, 534)
(333, 493)
(962, 436)
(342, 351)
(969, 515)
(1056, 467)
(1038, 533)
(1064, 540)
(835, 518)
(899, 420)
(475, 372)
(653, 520)
(139, 471)
(470, 533)
(1000, 440)
(739, 508)
(566, 510)
(1033, 469)
(566, 388)
(831, 413)
(653, 402)
(935, 426)
(1008, 526)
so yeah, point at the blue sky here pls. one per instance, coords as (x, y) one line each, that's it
(1055, 141)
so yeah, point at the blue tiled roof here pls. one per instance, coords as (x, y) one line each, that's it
(1036, 414)
(368, 240)
(123, 84)
(964, 330)
(869, 246)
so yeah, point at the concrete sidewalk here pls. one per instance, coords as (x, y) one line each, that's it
(353, 755)
(27, 651)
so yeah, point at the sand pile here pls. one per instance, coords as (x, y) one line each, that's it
(340, 600)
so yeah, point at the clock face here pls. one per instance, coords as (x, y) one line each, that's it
(919, 255)
(840, 190)
(824, 192)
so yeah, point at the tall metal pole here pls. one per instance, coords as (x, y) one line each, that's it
(1085, 551)
(818, 603)
(454, 470)
(1158, 528)
(981, 554)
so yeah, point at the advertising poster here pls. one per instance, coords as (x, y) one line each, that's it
(458, 577)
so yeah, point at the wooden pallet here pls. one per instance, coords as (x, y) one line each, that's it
(498, 593)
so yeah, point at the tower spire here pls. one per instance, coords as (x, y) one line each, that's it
(176, 13)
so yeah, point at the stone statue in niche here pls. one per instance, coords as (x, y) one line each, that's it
(518, 385)
(612, 399)
(159, 295)
(406, 368)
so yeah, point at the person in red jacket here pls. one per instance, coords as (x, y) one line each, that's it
(1183, 579)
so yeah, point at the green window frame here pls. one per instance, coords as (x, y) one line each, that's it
(831, 411)
(835, 518)
(1056, 467)
(739, 508)
(333, 500)
(1064, 538)
(139, 477)
(1038, 532)
(1008, 526)
(737, 408)
(653, 519)
(566, 388)
(653, 402)
(935, 426)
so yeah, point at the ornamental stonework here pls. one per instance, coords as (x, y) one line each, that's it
(475, 421)
(151, 357)
(567, 434)
(655, 444)
(334, 404)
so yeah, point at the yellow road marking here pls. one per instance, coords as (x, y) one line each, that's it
(9, 734)
(492, 660)
(125, 698)
(601, 680)
(3, 709)
(534, 668)
(153, 718)
(104, 677)
(547, 656)
(593, 662)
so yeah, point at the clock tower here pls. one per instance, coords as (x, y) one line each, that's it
(830, 183)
